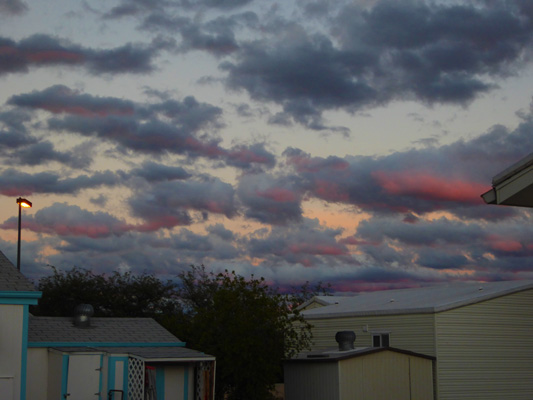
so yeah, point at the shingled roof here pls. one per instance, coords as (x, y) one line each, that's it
(142, 337)
(11, 280)
(102, 330)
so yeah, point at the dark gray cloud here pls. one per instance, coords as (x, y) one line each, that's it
(43, 152)
(64, 220)
(432, 53)
(15, 183)
(43, 50)
(171, 126)
(270, 199)
(306, 243)
(169, 203)
(13, 7)
(154, 172)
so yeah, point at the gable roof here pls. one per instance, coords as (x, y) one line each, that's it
(336, 355)
(142, 337)
(12, 280)
(102, 330)
(429, 299)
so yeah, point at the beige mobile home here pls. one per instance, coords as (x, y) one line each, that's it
(481, 334)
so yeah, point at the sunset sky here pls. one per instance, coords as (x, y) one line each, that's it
(346, 142)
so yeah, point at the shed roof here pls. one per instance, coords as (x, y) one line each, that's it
(102, 330)
(149, 353)
(11, 279)
(142, 337)
(418, 300)
(336, 355)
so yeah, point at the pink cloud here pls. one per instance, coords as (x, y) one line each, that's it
(304, 163)
(506, 245)
(429, 187)
(279, 195)
(53, 56)
(317, 249)
(330, 191)
(248, 156)
(357, 242)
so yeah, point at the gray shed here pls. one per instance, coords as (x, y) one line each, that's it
(359, 374)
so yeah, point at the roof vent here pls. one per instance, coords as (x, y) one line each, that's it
(82, 315)
(346, 340)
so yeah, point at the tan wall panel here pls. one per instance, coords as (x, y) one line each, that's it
(37, 374)
(485, 350)
(414, 332)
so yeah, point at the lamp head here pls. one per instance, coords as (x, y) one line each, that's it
(23, 202)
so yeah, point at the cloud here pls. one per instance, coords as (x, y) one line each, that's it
(13, 7)
(60, 99)
(306, 243)
(428, 52)
(447, 178)
(15, 183)
(269, 199)
(67, 220)
(154, 172)
(168, 127)
(41, 50)
(167, 203)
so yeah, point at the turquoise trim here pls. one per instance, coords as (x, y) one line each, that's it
(24, 353)
(64, 377)
(101, 383)
(105, 344)
(20, 294)
(160, 383)
(186, 383)
(26, 298)
(112, 364)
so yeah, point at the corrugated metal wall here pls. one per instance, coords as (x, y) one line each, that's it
(414, 332)
(386, 375)
(305, 381)
(485, 350)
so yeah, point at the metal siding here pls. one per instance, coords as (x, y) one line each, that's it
(421, 375)
(414, 332)
(485, 350)
(386, 376)
(306, 381)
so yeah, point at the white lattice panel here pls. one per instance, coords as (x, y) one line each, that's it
(135, 379)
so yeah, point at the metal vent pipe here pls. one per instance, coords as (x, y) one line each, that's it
(346, 340)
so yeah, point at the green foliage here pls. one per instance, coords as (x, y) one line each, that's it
(247, 325)
(115, 295)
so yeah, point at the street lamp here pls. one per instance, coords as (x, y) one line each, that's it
(26, 204)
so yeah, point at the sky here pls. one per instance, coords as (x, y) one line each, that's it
(343, 142)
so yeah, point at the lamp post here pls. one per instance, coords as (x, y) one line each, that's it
(26, 204)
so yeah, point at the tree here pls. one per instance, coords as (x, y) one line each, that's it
(246, 324)
(115, 295)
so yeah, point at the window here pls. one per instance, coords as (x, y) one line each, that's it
(380, 340)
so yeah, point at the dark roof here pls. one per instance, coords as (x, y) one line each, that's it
(11, 280)
(336, 355)
(102, 330)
